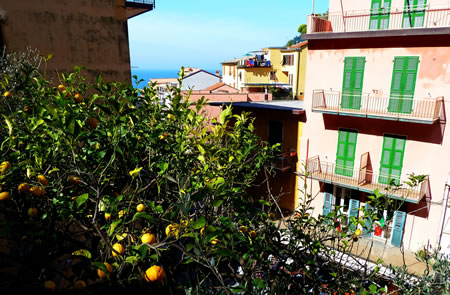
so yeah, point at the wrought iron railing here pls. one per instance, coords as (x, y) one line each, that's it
(152, 2)
(364, 179)
(286, 161)
(381, 19)
(426, 110)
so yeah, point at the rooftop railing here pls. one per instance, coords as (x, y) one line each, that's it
(364, 179)
(152, 2)
(380, 19)
(426, 111)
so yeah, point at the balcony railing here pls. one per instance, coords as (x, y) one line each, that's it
(381, 19)
(150, 2)
(137, 7)
(365, 180)
(426, 111)
(286, 161)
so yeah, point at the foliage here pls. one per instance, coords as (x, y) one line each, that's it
(106, 148)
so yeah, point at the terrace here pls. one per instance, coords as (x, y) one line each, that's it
(364, 179)
(137, 7)
(380, 19)
(424, 111)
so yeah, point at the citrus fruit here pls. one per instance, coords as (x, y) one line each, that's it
(92, 122)
(32, 212)
(37, 191)
(42, 179)
(155, 274)
(101, 273)
(78, 97)
(74, 180)
(272, 215)
(215, 241)
(148, 238)
(50, 285)
(23, 187)
(5, 166)
(80, 284)
(358, 232)
(119, 248)
(122, 213)
(172, 230)
(7, 94)
(4, 196)
(61, 88)
(140, 208)
(243, 229)
(107, 216)
(252, 234)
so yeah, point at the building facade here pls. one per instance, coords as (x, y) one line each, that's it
(376, 99)
(93, 34)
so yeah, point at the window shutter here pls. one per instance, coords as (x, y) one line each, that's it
(352, 82)
(397, 228)
(397, 73)
(347, 83)
(327, 203)
(353, 212)
(392, 159)
(345, 155)
(409, 86)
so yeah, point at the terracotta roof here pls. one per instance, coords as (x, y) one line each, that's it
(298, 45)
(164, 80)
(215, 86)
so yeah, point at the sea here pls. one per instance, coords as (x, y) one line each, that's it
(147, 74)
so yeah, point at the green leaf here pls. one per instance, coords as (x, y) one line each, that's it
(143, 215)
(52, 112)
(189, 247)
(132, 260)
(37, 124)
(159, 209)
(82, 252)
(199, 223)
(217, 202)
(113, 227)
(81, 199)
(8, 122)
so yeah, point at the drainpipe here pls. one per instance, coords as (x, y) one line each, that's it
(312, 7)
(444, 209)
(266, 96)
(298, 73)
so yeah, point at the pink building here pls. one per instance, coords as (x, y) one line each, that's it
(376, 99)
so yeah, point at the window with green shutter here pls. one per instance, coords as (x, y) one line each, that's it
(353, 214)
(414, 13)
(392, 159)
(379, 14)
(345, 156)
(403, 84)
(352, 82)
(397, 228)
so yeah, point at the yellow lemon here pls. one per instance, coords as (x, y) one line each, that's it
(155, 274)
(172, 230)
(140, 208)
(102, 274)
(119, 248)
(5, 196)
(252, 234)
(107, 216)
(42, 179)
(215, 241)
(23, 187)
(358, 232)
(7, 94)
(148, 238)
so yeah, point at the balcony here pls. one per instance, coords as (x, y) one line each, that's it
(380, 19)
(286, 161)
(257, 61)
(137, 7)
(424, 111)
(364, 179)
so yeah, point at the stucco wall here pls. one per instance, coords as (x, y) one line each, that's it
(427, 147)
(90, 33)
(335, 5)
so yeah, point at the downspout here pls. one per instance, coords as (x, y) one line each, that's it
(298, 72)
(444, 209)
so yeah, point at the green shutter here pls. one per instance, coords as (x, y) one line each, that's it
(397, 228)
(352, 82)
(345, 156)
(414, 13)
(352, 213)
(392, 159)
(379, 14)
(327, 203)
(403, 84)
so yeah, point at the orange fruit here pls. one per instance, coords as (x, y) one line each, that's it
(119, 248)
(37, 191)
(80, 284)
(140, 208)
(4, 196)
(50, 285)
(61, 88)
(42, 179)
(155, 274)
(7, 94)
(101, 273)
(74, 180)
(32, 212)
(78, 97)
(148, 238)
(243, 229)
(23, 187)
(5, 166)
(92, 122)
(172, 230)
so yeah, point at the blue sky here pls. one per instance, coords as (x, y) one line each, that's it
(202, 33)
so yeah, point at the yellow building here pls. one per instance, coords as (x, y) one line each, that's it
(294, 66)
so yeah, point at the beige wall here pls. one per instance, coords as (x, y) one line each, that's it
(428, 146)
(352, 5)
(91, 33)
